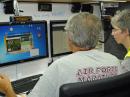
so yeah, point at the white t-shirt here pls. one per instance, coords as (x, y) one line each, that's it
(80, 66)
(125, 65)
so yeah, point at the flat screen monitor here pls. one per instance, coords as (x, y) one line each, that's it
(20, 42)
(58, 37)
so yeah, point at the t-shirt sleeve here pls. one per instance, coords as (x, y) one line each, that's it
(42, 89)
(125, 65)
(46, 86)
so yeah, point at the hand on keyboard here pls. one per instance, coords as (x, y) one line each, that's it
(24, 85)
(4, 83)
(6, 86)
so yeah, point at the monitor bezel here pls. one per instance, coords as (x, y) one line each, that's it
(29, 59)
(53, 22)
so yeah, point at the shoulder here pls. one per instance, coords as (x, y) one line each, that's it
(125, 65)
(62, 59)
(108, 55)
(55, 67)
(126, 61)
(106, 58)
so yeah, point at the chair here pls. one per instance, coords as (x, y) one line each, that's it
(117, 86)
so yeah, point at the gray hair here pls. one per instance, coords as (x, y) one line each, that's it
(122, 20)
(83, 29)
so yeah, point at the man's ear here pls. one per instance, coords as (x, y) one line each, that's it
(127, 32)
(69, 43)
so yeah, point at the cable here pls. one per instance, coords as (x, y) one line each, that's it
(50, 61)
(16, 8)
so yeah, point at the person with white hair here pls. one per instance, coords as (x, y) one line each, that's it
(121, 33)
(86, 63)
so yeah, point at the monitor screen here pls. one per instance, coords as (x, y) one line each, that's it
(20, 42)
(58, 37)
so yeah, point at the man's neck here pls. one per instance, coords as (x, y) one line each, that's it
(75, 49)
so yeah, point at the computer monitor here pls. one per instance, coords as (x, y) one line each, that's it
(22, 41)
(58, 38)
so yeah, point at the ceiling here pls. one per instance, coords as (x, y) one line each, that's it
(71, 1)
(67, 1)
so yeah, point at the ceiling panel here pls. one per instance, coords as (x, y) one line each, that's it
(70, 1)
(62, 1)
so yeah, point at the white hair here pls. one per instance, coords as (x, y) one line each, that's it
(84, 29)
(122, 20)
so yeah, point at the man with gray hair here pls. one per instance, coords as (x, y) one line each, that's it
(84, 64)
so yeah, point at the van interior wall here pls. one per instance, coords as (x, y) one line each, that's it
(59, 12)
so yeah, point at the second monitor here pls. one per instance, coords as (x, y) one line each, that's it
(59, 45)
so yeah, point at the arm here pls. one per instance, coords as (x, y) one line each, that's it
(6, 87)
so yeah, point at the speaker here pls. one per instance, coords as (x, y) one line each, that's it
(8, 7)
(76, 7)
(87, 8)
(44, 7)
(110, 10)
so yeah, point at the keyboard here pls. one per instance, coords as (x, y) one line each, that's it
(24, 85)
